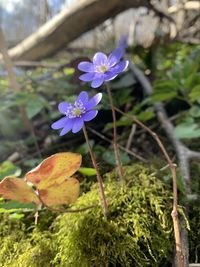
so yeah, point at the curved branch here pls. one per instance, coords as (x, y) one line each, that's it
(68, 25)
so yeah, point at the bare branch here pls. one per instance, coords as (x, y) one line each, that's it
(160, 13)
(68, 25)
(190, 5)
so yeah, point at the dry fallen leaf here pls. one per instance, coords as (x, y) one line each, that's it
(54, 170)
(65, 193)
(17, 189)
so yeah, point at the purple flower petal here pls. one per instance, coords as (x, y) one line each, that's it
(93, 101)
(78, 125)
(68, 126)
(83, 97)
(88, 116)
(120, 67)
(115, 56)
(63, 106)
(123, 41)
(108, 76)
(98, 80)
(100, 59)
(87, 77)
(86, 66)
(60, 123)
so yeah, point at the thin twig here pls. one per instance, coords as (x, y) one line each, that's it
(115, 144)
(128, 151)
(179, 253)
(64, 210)
(100, 182)
(130, 138)
(36, 215)
(163, 168)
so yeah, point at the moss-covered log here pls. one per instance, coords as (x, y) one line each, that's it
(138, 231)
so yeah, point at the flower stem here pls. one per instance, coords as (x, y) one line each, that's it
(100, 183)
(115, 145)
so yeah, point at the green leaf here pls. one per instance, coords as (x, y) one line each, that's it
(34, 106)
(164, 90)
(124, 121)
(109, 157)
(14, 206)
(189, 81)
(187, 130)
(162, 96)
(7, 168)
(195, 111)
(146, 114)
(195, 93)
(166, 85)
(87, 171)
(83, 149)
(34, 103)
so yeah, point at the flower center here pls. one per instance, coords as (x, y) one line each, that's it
(76, 110)
(103, 68)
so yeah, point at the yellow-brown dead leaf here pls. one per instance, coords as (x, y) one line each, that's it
(54, 170)
(17, 189)
(65, 193)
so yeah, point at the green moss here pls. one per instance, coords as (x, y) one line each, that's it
(24, 245)
(38, 251)
(137, 233)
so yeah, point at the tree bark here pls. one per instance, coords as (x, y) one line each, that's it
(68, 25)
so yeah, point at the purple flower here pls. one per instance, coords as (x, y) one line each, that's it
(76, 114)
(123, 41)
(103, 68)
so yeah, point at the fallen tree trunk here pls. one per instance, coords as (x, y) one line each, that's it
(68, 25)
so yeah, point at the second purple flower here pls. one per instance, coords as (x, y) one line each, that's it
(103, 68)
